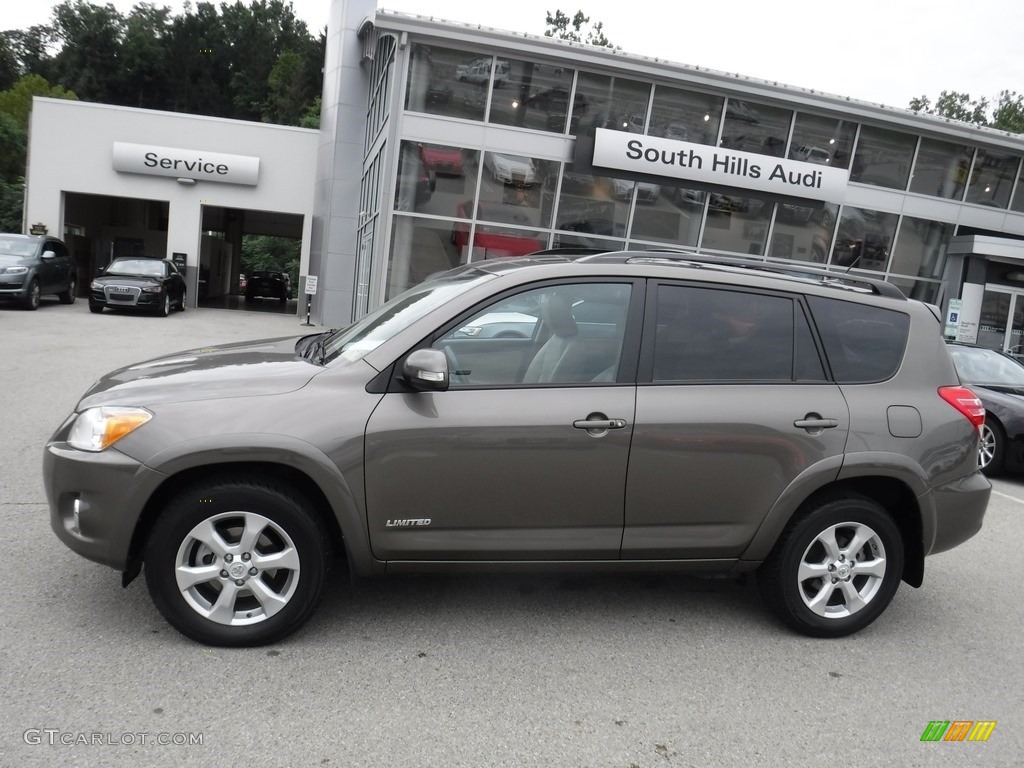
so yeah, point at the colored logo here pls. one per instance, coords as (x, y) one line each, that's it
(958, 730)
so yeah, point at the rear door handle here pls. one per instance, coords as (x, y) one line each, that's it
(812, 422)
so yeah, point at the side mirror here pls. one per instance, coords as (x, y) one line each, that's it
(49, 255)
(426, 370)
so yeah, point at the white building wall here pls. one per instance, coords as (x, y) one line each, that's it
(71, 150)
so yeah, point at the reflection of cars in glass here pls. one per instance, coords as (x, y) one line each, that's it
(815, 155)
(416, 184)
(740, 110)
(646, 192)
(499, 325)
(998, 381)
(494, 239)
(138, 283)
(265, 284)
(442, 159)
(677, 132)
(861, 240)
(510, 169)
(728, 203)
(33, 265)
(830, 446)
(479, 72)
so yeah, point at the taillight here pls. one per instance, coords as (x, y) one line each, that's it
(966, 402)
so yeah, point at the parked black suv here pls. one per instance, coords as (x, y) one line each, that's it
(32, 266)
(653, 410)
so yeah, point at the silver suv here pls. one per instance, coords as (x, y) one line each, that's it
(638, 410)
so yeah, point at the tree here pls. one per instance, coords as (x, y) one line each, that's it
(90, 58)
(561, 27)
(1007, 115)
(16, 102)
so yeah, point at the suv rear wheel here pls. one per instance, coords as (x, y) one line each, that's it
(835, 568)
(236, 562)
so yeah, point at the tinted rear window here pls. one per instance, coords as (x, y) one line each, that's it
(862, 343)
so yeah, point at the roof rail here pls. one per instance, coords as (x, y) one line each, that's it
(700, 260)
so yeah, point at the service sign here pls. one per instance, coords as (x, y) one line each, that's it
(684, 161)
(185, 163)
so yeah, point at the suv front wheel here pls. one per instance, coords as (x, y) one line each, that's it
(835, 568)
(237, 562)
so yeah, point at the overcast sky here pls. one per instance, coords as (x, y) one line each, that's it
(883, 51)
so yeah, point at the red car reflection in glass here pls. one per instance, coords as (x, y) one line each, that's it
(492, 239)
(443, 160)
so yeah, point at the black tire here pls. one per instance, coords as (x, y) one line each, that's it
(165, 305)
(176, 541)
(181, 302)
(96, 308)
(992, 448)
(69, 296)
(32, 296)
(821, 606)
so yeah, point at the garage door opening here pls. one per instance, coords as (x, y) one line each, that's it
(99, 228)
(249, 260)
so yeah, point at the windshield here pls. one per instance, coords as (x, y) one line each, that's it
(147, 267)
(399, 313)
(985, 366)
(17, 246)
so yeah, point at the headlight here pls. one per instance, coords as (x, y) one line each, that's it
(99, 428)
(154, 289)
(16, 270)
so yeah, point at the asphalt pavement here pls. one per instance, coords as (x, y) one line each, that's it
(524, 670)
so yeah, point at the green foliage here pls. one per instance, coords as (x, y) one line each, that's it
(12, 196)
(1007, 115)
(17, 101)
(561, 27)
(278, 254)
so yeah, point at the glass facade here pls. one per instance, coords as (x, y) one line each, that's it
(457, 204)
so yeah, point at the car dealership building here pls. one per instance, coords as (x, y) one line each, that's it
(443, 143)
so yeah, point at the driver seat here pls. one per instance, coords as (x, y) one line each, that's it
(562, 357)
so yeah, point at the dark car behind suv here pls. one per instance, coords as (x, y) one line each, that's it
(664, 411)
(32, 266)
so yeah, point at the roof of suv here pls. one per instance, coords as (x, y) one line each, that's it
(684, 259)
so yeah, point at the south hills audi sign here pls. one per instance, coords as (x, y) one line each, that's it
(684, 161)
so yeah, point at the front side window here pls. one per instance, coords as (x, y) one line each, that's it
(563, 334)
(705, 334)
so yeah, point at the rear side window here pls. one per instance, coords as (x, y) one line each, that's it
(862, 343)
(705, 334)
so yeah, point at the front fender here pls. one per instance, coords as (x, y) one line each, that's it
(344, 497)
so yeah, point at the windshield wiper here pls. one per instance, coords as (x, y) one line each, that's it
(315, 351)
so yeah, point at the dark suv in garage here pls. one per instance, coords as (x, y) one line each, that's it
(34, 265)
(658, 411)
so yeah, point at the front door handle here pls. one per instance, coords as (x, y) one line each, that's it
(599, 424)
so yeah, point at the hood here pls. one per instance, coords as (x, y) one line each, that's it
(245, 369)
(14, 260)
(140, 281)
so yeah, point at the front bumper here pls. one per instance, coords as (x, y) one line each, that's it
(96, 500)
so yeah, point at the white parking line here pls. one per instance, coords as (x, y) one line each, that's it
(1007, 496)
